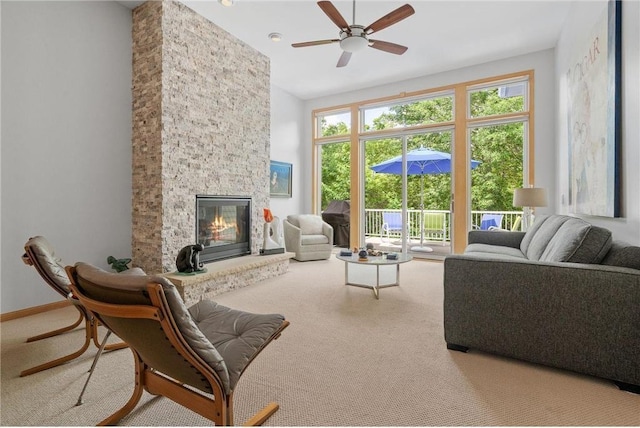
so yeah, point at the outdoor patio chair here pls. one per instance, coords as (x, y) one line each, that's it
(435, 225)
(489, 220)
(40, 254)
(391, 223)
(193, 356)
(515, 226)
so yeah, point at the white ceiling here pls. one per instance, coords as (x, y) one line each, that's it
(441, 36)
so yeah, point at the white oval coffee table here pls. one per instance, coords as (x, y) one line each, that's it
(378, 262)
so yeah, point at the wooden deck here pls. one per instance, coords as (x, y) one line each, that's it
(394, 244)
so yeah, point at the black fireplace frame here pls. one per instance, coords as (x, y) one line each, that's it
(212, 254)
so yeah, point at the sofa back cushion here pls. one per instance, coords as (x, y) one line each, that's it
(539, 235)
(623, 255)
(559, 238)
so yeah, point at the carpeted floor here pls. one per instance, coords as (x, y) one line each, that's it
(346, 360)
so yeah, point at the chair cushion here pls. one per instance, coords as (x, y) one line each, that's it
(313, 239)
(310, 224)
(237, 335)
(48, 264)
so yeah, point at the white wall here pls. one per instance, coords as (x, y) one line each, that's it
(541, 62)
(0, 151)
(66, 138)
(582, 17)
(289, 145)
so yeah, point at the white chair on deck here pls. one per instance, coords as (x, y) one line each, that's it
(391, 223)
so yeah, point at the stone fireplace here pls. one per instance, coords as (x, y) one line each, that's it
(201, 117)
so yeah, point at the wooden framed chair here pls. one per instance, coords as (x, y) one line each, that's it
(40, 254)
(182, 354)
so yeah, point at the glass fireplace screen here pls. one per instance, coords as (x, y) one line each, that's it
(223, 226)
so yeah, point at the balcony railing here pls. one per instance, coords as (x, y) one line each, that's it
(374, 221)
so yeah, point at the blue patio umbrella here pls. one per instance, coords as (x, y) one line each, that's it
(421, 162)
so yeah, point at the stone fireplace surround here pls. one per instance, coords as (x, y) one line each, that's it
(201, 125)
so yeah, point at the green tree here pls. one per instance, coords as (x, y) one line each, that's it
(499, 149)
(336, 165)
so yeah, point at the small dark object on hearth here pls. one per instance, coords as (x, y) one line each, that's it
(188, 259)
(119, 265)
(270, 251)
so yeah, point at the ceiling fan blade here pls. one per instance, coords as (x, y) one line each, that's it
(344, 59)
(391, 18)
(314, 43)
(333, 14)
(388, 47)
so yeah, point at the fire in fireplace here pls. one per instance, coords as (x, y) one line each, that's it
(223, 226)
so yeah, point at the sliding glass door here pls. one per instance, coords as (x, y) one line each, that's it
(408, 209)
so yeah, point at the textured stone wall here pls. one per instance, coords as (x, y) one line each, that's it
(201, 126)
(147, 136)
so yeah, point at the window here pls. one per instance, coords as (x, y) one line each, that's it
(487, 119)
(426, 110)
(334, 123)
(498, 100)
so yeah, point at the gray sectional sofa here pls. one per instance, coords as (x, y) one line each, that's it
(563, 294)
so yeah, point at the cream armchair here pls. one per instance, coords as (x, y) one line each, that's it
(308, 236)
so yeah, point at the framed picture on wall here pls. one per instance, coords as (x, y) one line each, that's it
(280, 179)
(593, 117)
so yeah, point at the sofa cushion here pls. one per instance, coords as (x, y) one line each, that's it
(539, 235)
(559, 238)
(494, 249)
(623, 255)
(310, 224)
(578, 242)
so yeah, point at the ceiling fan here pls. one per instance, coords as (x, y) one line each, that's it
(356, 37)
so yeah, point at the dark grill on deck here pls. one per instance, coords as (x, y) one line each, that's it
(338, 215)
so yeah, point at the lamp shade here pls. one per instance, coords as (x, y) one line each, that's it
(530, 197)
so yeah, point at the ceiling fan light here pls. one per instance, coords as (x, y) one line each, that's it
(275, 37)
(353, 43)
(226, 2)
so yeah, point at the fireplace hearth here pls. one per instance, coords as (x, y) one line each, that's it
(223, 226)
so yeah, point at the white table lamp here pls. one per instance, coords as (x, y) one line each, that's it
(527, 198)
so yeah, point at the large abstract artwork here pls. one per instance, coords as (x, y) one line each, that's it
(593, 83)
